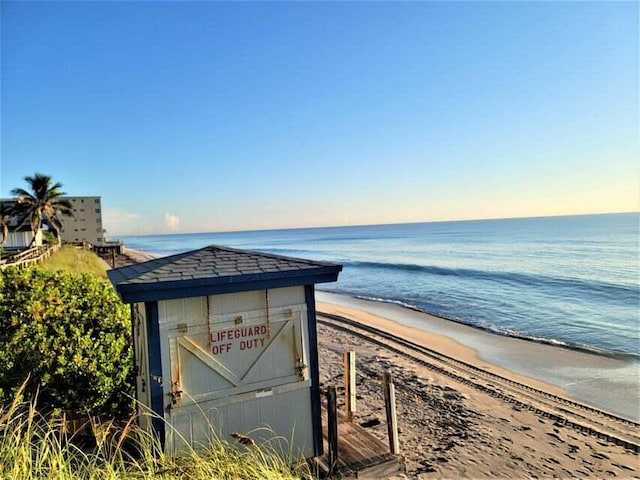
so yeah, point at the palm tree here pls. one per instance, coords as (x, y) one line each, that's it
(44, 203)
(5, 218)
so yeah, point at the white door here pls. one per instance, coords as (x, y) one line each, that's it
(243, 372)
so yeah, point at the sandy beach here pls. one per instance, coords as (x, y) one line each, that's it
(449, 429)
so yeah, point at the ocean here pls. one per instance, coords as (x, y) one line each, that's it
(571, 281)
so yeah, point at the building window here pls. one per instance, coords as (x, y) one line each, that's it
(97, 200)
(97, 210)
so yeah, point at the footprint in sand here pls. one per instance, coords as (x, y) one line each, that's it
(556, 436)
(623, 467)
(370, 423)
(600, 456)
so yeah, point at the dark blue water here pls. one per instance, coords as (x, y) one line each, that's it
(572, 281)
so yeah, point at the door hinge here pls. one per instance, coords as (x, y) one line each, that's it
(301, 369)
(176, 393)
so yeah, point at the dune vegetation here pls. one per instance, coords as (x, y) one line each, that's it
(75, 260)
(38, 447)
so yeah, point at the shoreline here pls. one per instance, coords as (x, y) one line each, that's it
(623, 356)
(606, 383)
(440, 343)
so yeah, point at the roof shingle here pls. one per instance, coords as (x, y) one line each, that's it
(213, 269)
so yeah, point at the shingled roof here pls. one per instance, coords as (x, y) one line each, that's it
(213, 270)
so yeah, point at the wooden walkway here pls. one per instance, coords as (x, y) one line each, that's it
(360, 454)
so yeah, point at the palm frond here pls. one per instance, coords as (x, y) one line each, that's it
(21, 192)
(63, 206)
(5, 209)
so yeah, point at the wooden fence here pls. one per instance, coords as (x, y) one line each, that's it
(29, 256)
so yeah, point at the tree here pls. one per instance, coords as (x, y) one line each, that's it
(5, 218)
(45, 202)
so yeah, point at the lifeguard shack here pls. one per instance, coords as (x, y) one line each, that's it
(225, 339)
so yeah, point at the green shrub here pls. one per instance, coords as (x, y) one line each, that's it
(69, 335)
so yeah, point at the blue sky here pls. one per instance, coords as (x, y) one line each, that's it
(219, 116)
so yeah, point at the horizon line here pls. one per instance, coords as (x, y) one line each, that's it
(380, 224)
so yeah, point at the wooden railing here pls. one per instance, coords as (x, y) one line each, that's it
(31, 255)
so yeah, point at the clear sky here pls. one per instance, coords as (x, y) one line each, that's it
(212, 116)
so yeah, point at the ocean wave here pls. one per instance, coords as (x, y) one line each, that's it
(337, 240)
(523, 279)
(503, 331)
(289, 251)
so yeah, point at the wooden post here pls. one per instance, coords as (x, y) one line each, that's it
(113, 258)
(390, 406)
(332, 425)
(349, 359)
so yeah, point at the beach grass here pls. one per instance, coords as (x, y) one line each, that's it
(36, 447)
(75, 260)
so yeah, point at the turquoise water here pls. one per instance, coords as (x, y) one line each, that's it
(570, 281)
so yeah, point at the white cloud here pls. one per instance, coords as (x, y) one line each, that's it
(121, 222)
(118, 222)
(172, 222)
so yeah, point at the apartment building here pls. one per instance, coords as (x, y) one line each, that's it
(86, 223)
